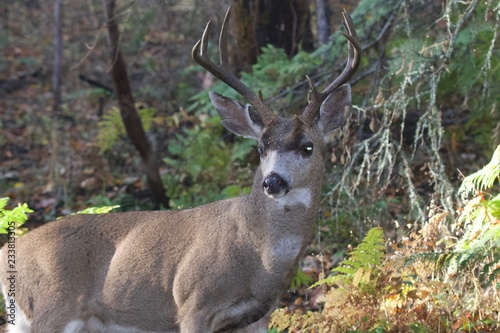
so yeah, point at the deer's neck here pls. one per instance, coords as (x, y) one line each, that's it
(280, 229)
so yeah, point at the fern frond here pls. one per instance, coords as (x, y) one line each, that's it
(363, 261)
(484, 178)
(485, 260)
(491, 271)
(3, 202)
(439, 259)
(346, 267)
(111, 126)
(493, 275)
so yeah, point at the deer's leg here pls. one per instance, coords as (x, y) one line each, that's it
(259, 326)
(246, 317)
(193, 323)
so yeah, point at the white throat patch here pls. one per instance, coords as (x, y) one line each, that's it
(297, 196)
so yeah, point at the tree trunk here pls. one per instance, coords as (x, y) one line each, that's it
(245, 15)
(282, 23)
(128, 111)
(323, 21)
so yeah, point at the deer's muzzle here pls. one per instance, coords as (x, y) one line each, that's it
(275, 186)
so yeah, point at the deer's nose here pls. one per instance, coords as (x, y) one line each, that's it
(274, 185)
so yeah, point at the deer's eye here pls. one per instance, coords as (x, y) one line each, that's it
(260, 150)
(307, 150)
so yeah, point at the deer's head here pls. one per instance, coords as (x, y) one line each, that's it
(291, 149)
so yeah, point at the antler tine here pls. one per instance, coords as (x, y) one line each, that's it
(221, 71)
(354, 56)
(223, 40)
(353, 61)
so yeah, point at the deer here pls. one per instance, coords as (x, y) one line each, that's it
(221, 267)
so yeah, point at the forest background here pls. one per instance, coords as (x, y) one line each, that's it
(425, 116)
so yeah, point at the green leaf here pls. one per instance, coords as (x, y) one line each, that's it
(98, 210)
(301, 279)
(17, 216)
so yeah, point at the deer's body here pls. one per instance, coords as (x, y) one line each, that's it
(233, 263)
(216, 268)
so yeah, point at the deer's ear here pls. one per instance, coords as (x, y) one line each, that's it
(335, 110)
(239, 119)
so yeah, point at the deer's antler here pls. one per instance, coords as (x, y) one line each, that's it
(221, 71)
(352, 65)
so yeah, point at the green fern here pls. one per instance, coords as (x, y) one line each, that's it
(441, 260)
(478, 251)
(362, 265)
(484, 178)
(111, 126)
(479, 246)
(485, 260)
(482, 257)
(301, 279)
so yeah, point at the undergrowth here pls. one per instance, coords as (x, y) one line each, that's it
(111, 127)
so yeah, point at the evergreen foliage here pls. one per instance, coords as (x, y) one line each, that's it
(421, 72)
(202, 163)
